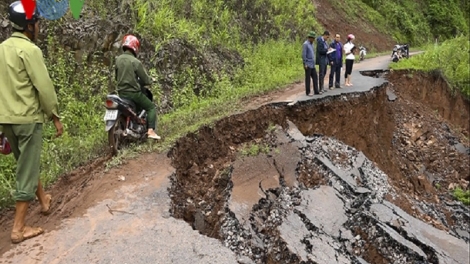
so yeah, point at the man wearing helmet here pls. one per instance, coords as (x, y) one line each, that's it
(27, 100)
(130, 75)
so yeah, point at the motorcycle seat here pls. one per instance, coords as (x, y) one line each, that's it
(128, 102)
(123, 100)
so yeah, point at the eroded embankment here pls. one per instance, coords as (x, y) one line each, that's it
(348, 177)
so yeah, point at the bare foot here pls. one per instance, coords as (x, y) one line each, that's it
(46, 208)
(27, 233)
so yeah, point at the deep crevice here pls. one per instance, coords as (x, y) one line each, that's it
(397, 136)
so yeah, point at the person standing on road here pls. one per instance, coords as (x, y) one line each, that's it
(308, 59)
(27, 98)
(322, 58)
(128, 68)
(336, 62)
(349, 50)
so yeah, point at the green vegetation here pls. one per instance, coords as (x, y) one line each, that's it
(462, 196)
(411, 21)
(269, 48)
(451, 58)
(253, 149)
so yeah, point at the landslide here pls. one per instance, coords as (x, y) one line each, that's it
(336, 17)
(423, 153)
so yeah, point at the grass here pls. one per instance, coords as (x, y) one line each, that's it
(462, 196)
(254, 149)
(84, 138)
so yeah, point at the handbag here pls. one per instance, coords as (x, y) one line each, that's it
(5, 147)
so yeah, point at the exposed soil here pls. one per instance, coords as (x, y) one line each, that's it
(413, 144)
(74, 193)
(422, 152)
(334, 19)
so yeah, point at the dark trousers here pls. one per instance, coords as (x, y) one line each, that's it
(311, 73)
(335, 72)
(142, 100)
(349, 67)
(322, 73)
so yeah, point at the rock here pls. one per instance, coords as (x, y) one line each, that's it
(391, 95)
(245, 260)
(295, 134)
(361, 260)
(361, 190)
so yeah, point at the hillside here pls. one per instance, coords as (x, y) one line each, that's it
(206, 56)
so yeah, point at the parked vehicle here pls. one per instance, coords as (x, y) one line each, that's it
(399, 52)
(395, 54)
(124, 122)
(362, 53)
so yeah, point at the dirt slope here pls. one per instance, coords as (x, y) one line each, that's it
(333, 18)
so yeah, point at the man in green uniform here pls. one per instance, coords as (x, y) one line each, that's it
(27, 100)
(128, 69)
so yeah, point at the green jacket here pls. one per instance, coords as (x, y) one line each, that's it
(128, 68)
(27, 94)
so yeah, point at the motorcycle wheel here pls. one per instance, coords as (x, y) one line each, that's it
(115, 135)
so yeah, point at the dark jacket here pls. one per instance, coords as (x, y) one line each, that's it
(332, 56)
(322, 49)
(128, 72)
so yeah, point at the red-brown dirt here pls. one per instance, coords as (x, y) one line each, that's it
(335, 20)
(405, 138)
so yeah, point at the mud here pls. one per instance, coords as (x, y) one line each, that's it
(382, 169)
(73, 194)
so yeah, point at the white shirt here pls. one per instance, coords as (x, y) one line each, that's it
(347, 48)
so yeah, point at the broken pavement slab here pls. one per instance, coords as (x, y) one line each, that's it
(448, 248)
(343, 175)
(246, 191)
(293, 231)
(323, 248)
(324, 209)
(295, 133)
(287, 158)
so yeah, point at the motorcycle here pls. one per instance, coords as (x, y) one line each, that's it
(124, 122)
(362, 53)
(395, 54)
(399, 52)
(405, 51)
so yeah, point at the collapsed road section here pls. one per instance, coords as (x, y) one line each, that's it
(354, 178)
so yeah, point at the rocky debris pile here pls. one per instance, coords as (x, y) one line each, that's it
(434, 162)
(344, 220)
(313, 199)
